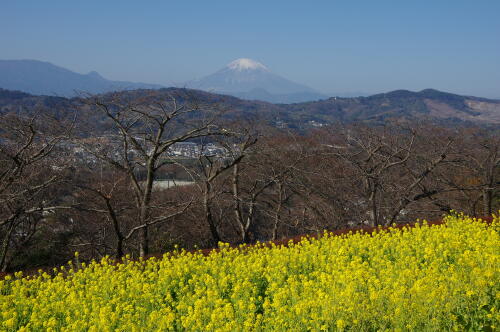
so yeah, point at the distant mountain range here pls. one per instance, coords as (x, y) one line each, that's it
(44, 78)
(251, 80)
(427, 105)
(243, 78)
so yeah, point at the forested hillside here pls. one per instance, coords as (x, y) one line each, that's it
(140, 172)
(441, 108)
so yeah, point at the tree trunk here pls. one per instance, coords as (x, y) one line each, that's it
(277, 215)
(116, 226)
(144, 217)
(251, 210)
(5, 247)
(119, 248)
(487, 202)
(236, 204)
(373, 203)
(144, 242)
(143, 237)
(208, 214)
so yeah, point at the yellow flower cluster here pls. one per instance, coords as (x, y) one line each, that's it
(437, 278)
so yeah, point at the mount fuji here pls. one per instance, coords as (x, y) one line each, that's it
(249, 79)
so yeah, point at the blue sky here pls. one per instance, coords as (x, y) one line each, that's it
(332, 46)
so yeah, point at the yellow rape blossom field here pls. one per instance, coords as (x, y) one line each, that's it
(426, 278)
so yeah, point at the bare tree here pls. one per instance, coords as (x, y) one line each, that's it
(483, 160)
(29, 170)
(390, 167)
(145, 131)
(474, 176)
(208, 175)
(279, 163)
(244, 199)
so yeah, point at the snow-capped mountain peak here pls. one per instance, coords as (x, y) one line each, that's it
(246, 64)
(250, 79)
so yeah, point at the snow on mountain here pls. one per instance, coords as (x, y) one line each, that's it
(250, 79)
(246, 64)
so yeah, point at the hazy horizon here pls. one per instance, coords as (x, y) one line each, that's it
(346, 47)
